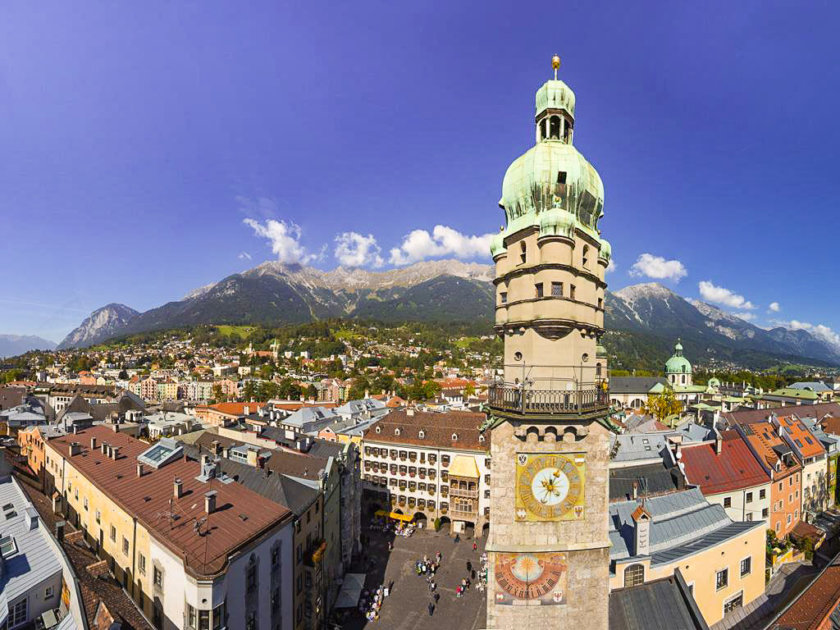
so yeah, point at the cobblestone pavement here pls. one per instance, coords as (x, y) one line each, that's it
(407, 606)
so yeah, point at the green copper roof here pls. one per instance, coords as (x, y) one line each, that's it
(677, 363)
(555, 95)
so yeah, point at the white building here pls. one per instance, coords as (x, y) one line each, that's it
(430, 465)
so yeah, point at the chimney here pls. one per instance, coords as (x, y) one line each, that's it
(214, 447)
(246, 410)
(635, 490)
(75, 448)
(225, 452)
(93, 443)
(409, 411)
(59, 530)
(116, 428)
(210, 501)
(75, 429)
(252, 458)
(104, 448)
(641, 521)
(139, 469)
(718, 443)
(115, 452)
(179, 488)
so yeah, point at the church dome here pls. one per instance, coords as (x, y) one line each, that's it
(550, 175)
(557, 222)
(678, 364)
(555, 95)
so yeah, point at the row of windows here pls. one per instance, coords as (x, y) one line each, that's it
(557, 290)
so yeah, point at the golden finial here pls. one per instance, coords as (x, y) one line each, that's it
(555, 63)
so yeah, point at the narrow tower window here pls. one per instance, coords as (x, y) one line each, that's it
(555, 128)
(522, 252)
(503, 297)
(571, 292)
(538, 288)
(586, 256)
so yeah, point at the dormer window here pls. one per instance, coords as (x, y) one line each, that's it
(421, 434)
(397, 431)
(454, 437)
(379, 429)
(481, 438)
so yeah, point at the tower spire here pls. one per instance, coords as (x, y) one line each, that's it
(555, 63)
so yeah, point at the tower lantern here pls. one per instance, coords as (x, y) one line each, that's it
(549, 545)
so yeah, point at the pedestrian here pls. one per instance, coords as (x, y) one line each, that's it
(469, 566)
(457, 538)
(431, 609)
(475, 546)
(437, 597)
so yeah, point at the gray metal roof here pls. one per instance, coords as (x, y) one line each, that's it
(664, 604)
(638, 446)
(634, 384)
(682, 523)
(35, 559)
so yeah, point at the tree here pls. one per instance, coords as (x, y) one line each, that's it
(469, 390)
(660, 406)
(218, 394)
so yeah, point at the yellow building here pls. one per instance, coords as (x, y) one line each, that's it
(189, 547)
(721, 561)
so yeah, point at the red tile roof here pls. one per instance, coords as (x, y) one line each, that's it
(813, 607)
(733, 469)
(241, 516)
(400, 427)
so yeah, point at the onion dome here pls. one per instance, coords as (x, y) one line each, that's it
(555, 95)
(557, 222)
(678, 364)
(497, 244)
(605, 253)
(549, 175)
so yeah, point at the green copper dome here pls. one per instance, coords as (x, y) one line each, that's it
(557, 222)
(497, 244)
(552, 174)
(606, 250)
(555, 95)
(677, 364)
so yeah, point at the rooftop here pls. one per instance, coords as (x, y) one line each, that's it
(815, 605)
(241, 515)
(458, 430)
(683, 523)
(663, 604)
(734, 468)
(805, 441)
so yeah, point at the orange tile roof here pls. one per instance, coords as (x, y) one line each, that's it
(763, 438)
(235, 408)
(805, 441)
(242, 515)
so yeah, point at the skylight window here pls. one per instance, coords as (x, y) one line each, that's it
(8, 507)
(7, 546)
(11, 514)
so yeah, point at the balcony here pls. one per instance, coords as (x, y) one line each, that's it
(550, 397)
(458, 492)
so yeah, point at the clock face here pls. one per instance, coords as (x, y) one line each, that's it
(530, 578)
(549, 486)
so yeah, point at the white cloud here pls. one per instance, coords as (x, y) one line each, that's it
(443, 241)
(819, 331)
(719, 295)
(774, 307)
(658, 268)
(355, 250)
(244, 256)
(284, 238)
(612, 266)
(748, 317)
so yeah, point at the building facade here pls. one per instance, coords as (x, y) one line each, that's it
(428, 466)
(548, 545)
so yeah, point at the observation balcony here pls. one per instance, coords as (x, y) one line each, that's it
(568, 391)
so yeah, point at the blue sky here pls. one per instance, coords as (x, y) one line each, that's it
(151, 148)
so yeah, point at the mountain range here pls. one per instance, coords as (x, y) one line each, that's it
(638, 316)
(13, 345)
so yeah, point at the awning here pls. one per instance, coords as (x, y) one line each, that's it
(351, 590)
(464, 466)
(394, 515)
